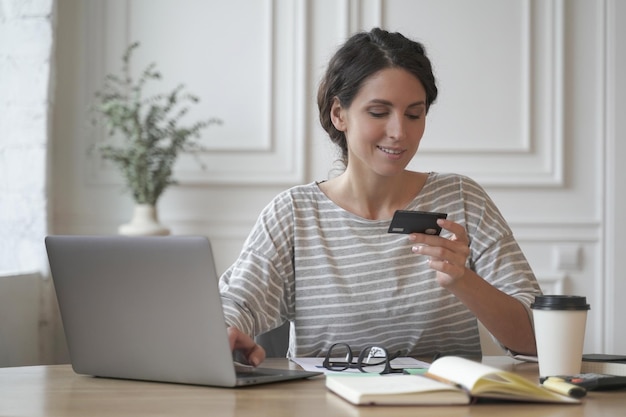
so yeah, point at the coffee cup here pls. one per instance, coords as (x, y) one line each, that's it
(560, 322)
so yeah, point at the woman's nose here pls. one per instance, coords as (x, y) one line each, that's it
(395, 127)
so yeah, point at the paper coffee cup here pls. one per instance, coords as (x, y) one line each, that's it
(560, 322)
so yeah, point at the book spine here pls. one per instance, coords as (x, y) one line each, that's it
(610, 368)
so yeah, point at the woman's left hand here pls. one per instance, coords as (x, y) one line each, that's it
(448, 256)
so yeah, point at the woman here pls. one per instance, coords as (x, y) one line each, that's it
(320, 256)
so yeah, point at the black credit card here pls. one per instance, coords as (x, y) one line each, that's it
(407, 221)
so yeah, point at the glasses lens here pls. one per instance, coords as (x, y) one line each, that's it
(338, 358)
(373, 359)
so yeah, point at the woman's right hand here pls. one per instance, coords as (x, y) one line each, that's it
(246, 346)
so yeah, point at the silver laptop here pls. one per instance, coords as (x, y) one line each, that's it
(147, 308)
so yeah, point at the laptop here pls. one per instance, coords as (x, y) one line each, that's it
(147, 308)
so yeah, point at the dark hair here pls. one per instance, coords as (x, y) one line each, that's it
(362, 55)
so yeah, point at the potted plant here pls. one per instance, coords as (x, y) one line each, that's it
(145, 137)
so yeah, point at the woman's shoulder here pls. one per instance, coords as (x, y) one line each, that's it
(453, 192)
(440, 179)
(310, 190)
(289, 197)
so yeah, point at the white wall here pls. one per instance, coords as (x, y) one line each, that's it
(25, 62)
(525, 92)
(26, 39)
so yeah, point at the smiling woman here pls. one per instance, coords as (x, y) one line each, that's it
(384, 123)
(320, 256)
(339, 89)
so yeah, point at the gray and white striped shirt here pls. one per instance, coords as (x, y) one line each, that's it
(338, 277)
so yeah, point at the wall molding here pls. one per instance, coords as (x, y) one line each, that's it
(273, 152)
(561, 235)
(551, 282)
(536, 157)
(532, 156)
(570, 232)
(613, 130)
(561, 231)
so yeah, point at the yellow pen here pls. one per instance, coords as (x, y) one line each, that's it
(561, 386)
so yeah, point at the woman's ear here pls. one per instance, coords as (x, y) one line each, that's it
(337, 115)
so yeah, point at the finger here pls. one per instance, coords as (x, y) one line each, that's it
(454, 254)
(459, 234)
(254, 353)
(450, 266)
(233, 336)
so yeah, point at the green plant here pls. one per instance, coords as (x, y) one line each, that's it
(152, 136)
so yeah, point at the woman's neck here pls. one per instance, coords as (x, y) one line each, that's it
(374, 198)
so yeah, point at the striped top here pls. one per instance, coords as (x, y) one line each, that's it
(338, 277)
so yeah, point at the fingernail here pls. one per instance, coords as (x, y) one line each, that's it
(416, 248)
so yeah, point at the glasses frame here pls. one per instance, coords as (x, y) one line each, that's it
(360, 364)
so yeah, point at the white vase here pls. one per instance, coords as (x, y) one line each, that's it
(145, 222)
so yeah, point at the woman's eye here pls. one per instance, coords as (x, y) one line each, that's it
(378, 114)
(414, 116)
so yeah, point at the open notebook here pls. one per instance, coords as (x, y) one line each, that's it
(146, 308)
(449, 380)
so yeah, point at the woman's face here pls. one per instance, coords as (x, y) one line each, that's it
(385, 122)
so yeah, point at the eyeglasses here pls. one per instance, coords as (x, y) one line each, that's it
(372, 359)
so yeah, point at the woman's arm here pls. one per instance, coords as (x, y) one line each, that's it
(505, 317)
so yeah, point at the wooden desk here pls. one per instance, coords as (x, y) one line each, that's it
(57, 391)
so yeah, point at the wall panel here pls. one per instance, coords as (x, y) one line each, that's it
(499, 116)
(252, 79)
